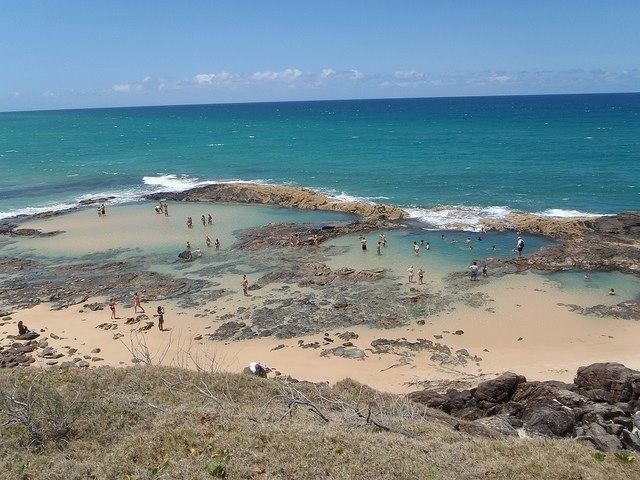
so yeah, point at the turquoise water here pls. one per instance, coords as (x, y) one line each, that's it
(557, 154)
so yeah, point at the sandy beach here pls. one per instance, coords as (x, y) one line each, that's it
(467, 331)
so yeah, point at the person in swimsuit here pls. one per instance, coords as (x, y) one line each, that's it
(363, 242)
(410, 273)
(245, 285)
(204, 220)
(103, 209)
(428, 246)
(188, 246)
(137, 303)
(416, 249)
(160, 316)
(112, 307)
(217, 244)
(378, 247)
(473, 271)
(22, 328)
(612, 292)
(166, 210)
(208, 241)
(209, 219)
(420, 276)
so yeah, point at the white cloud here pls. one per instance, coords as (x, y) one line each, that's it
(327, 72)
(408, 75)
(499, 78)
(219, 78)
(287, 75)
(356, 75)
(127, 87)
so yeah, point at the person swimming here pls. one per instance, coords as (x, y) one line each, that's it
(612, 292)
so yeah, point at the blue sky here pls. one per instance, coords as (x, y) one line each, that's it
(66, 54)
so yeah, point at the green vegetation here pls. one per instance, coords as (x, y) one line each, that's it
(162, 423)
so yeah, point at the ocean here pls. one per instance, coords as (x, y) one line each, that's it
(558, 155)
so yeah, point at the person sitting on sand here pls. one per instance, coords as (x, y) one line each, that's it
(410, 273)
(160, 316)
(208, 241)
(217, 244)
(112, 307)
(420, 276)
(473, 271)
(612, 292)
(257, 369)
(137, 303)
(22, 328)
(209, 219)
(245, 285)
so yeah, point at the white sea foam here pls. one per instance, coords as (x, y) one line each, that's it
(51, 207)
(561, 213)
(457, 217)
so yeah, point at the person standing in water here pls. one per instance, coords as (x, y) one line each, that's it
(137, 303)
(363, 242)
(420, 276)
(378, 248)
(112, 307)
(160, 316)
(473, 271)
(188, 246)
(217, 244)
(203, 220)
(165, 207)
(428, 246)
(189, 222)
(209, 219)
(245, 285)
(103, 209)
(416, 249)
(520, 246)
(410, 273)
(208, 241)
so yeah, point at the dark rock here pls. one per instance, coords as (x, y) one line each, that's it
(549, 422)
(500, 389)
(611, 382)
(630, 440)
(354, 353)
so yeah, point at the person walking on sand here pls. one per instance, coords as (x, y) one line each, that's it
(204, 221)
(99, 212)
(245, 285)
(103, 209)
(160, 316)
(112, 307)
(137, 303)
(217, 244)
(363, 242)
(416, 249)
(209, 219)
(410, 273)
(520, 246)
(208, 241)
(420, 276)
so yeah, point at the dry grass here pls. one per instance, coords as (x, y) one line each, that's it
(160, 423)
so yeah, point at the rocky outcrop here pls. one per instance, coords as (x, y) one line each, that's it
(598, 408)
(281, 195)
(604, 243)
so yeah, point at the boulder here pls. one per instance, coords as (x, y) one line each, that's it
(610, 382)
(498, 423)
(631, 440)
(500, 389)
(549, 422)
(601, 439)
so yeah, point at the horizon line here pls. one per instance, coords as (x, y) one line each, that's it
(359, 99)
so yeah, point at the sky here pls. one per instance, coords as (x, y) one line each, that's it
(93, 53)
